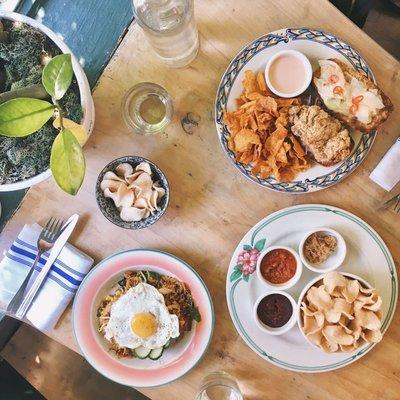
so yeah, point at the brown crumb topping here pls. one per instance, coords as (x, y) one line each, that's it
(318, 247)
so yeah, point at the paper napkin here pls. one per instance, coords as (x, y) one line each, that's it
(60, 285)
(387, 172)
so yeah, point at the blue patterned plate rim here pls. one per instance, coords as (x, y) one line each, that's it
(286, 35)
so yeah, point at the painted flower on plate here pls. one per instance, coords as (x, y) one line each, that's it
(247, 260)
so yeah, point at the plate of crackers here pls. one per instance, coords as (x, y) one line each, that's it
(319, 319)
(298, 109)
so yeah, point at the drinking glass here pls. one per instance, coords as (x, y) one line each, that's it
(171, 29)
(219, 386)
(147, 108)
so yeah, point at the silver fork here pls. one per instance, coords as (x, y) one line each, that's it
(393, 202)
(47, 237)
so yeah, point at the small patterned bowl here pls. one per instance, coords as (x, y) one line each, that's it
(107, 206)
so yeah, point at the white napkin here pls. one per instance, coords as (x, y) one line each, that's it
(60, 285)
(387, 173)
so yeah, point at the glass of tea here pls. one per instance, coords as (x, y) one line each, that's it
(147, 108)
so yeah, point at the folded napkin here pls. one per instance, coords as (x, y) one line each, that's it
(60, 285)
(387, 173)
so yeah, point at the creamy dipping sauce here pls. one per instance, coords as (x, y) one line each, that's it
(287, 74)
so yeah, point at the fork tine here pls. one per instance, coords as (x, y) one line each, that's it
(59, 227)
(55, 229)
(48, 223)
(47, 228)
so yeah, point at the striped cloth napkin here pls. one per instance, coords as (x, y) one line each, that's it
(60, 285)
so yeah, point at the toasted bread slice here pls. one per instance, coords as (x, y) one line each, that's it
(324, 137)
(351, 120)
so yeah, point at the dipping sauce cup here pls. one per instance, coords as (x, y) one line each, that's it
(288, 73)
(279, 267)
(275, 312)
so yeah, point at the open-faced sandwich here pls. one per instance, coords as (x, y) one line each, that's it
(146, 314)
(351, 96)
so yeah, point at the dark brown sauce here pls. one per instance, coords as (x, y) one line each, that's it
(275, 310)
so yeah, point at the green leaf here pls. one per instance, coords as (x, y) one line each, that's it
(260, 244)
(196, 314)
(247, 247)
(57, 75)
(23, 116)
(67, 162)
(235, 275)
(246, 278)
(237, 267)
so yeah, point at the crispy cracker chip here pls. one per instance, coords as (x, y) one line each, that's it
(351, 314)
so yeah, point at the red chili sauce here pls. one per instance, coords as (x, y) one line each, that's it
(275, 310)
(278, 266)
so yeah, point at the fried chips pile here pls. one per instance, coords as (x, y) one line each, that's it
(259, 134)
(341, 314)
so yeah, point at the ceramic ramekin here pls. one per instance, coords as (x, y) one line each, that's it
(307, 78)
(283, 329)
(282, 286)
(334, 261)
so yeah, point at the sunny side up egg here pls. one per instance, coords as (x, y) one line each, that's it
(140, 318)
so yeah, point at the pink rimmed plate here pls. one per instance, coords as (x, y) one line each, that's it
(178, 359)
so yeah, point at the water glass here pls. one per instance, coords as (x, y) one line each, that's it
(171, 29)
(147, 108)
(219, 386)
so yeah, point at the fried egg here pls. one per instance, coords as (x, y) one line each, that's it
(141, 318)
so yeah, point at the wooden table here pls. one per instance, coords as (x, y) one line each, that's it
(212, 204)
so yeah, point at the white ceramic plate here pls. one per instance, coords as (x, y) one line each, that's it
(315, 45)
(367, 256)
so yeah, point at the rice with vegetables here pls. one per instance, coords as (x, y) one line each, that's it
(177, 297)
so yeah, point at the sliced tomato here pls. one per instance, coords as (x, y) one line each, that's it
(358, 99)
(333, 79)
(338, 90)
(353, 108)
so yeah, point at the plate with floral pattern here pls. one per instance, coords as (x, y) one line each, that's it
(315, 44)
(367, 256)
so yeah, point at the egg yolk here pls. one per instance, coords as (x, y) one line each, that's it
(144, 325)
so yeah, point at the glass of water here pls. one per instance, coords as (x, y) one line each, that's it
(219, 386)
(170, 28)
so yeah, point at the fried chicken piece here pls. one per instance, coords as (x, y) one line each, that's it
(322, 135)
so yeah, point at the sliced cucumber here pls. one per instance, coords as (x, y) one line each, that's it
(155, 354)
(166, 345)
(142, 353)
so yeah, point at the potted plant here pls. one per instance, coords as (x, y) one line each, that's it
(46, 108)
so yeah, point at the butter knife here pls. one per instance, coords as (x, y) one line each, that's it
(55, 251)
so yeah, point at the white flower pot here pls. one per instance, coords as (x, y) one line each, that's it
(84, 89)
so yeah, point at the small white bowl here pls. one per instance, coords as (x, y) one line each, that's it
(334, 261)
(280, 286)
(303, 293)
(283, 329)
(307, 78)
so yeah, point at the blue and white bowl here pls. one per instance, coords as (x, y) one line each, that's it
(107, 206)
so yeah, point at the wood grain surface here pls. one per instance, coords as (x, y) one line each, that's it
(212, 205)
